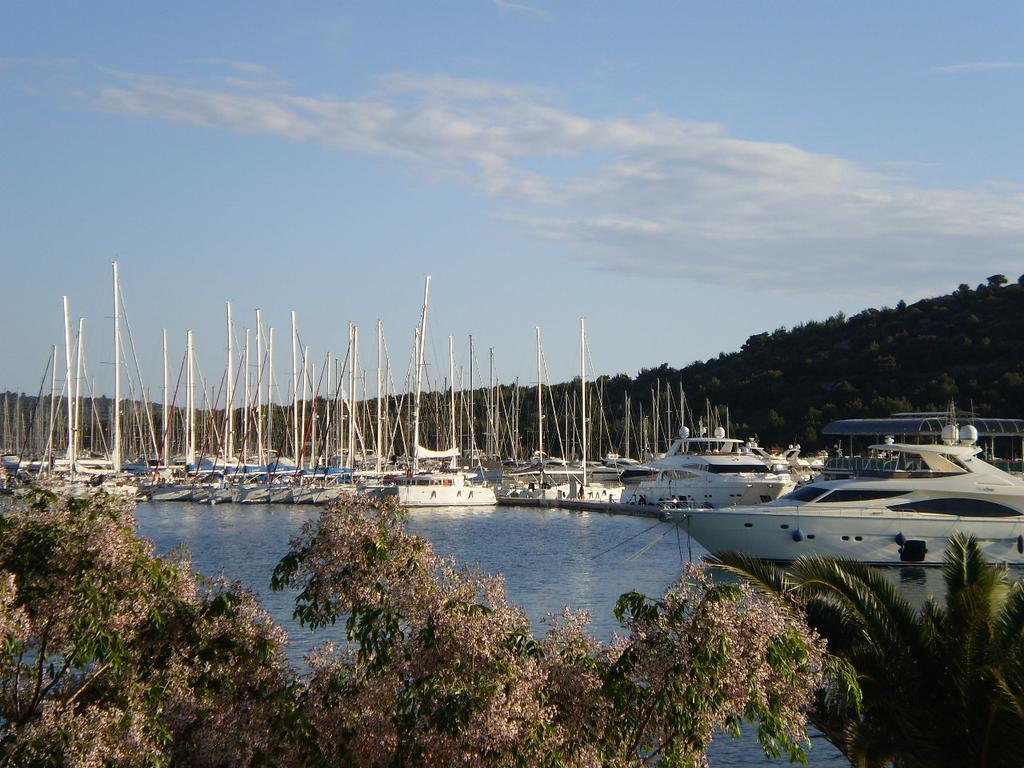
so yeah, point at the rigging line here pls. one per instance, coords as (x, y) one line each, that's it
(23, 443)
(627, 539)
(138, 368)
(173, 411)
(646, 548)
(322, 453)
(95, 412)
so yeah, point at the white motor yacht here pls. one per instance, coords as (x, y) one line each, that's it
(901, 506)
(707, 472)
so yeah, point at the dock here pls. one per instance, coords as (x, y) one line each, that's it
(588, 505)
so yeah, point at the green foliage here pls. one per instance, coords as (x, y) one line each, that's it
(943, 685)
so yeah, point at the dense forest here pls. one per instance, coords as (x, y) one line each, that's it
(782, 386)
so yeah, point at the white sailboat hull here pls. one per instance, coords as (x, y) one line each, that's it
(446, 496)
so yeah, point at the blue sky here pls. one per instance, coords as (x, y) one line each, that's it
(682, 174)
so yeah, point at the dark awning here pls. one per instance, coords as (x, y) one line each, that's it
(930, 425)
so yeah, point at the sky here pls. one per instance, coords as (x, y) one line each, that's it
(681, 174)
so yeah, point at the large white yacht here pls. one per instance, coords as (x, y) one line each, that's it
(900, 506)
(706, 471)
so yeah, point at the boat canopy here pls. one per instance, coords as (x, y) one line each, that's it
(930, 425)
(426, 453)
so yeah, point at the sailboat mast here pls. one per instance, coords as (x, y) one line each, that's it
(295, 392)
(116, 453)
(259, 389)
(190, 453)
(540, 406)
(305, 393)
(472, 403)
(270, 393)
(167, 408)
(70, 386)
(583, 394)
(245, 406)
(314, 387)
(627, 427)
(328, 400)
(420, 334)
(496, 387)
(353, 341)
(451, 380)
(380, 413)
(78, 386)
(229, 416)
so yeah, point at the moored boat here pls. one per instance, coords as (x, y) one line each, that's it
(900, 506)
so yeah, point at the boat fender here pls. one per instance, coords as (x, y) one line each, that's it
(798, 535)
(1020, 544)
(901, 539)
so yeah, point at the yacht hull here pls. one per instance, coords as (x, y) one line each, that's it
(870, 535)
(708, 491)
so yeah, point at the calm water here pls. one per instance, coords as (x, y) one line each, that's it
(549, 558)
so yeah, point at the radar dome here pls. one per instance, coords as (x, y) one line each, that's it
(969, 435)
(684, 432)
(950, 434)
(719, 432)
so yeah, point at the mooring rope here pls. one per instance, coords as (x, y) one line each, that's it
(640, 552)
(626, 540)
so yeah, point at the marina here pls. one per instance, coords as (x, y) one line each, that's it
(511, 383)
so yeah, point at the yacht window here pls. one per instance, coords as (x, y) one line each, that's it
(962, 507)
(805, 493)
(677, 474)
(851, 494)
(732, 469)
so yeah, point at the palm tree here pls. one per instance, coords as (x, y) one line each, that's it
(942, 685)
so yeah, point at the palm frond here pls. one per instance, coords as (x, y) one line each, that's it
(1009, 622)
(763, 574)
(886, 616)
(964, 566)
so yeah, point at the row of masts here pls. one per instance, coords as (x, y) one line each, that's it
(25, 425)
(220, 432)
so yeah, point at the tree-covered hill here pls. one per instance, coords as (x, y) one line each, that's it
(784, 385)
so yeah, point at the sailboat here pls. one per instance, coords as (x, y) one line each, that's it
(436, 488)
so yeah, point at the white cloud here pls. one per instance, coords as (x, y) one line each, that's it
(652, 194)
(976, 66)
(245, 67)
(529, 10)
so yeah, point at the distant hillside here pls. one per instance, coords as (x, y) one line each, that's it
(784, 385)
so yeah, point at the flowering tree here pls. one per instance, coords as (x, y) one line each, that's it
(113, 656)
(442, 670)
